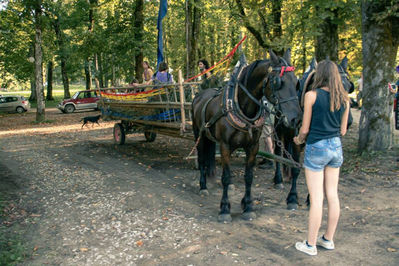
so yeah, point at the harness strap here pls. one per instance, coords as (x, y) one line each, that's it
(206, 125)
(293, 98)
(250, 95)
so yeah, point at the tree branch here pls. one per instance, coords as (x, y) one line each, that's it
(251, 28)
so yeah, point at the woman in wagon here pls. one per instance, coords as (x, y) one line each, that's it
(147, 74)
(162, 75)
(203, 66)
(324, 121)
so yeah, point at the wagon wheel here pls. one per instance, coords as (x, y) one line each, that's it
(150, 136)
(119, 134)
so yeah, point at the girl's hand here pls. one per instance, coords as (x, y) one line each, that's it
(297, 141)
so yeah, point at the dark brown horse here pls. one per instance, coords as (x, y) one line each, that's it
(285, 135)
(234, 117)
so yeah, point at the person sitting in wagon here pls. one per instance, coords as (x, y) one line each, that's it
(162, 75)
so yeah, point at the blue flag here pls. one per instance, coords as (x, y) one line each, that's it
(163, 8)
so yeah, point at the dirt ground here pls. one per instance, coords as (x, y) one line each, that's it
(76, 198)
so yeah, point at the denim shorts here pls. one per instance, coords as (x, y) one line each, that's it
(325, 152)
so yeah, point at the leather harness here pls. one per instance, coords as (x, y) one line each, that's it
(231, 109)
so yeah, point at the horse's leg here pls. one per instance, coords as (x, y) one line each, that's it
(211, 165)
(278, 179)
(246, 202)
(292, 199)
(224, 214)
(201, 161)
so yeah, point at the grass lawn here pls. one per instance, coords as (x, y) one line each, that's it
(58, 94)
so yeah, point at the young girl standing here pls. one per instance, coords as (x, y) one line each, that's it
(325, 120)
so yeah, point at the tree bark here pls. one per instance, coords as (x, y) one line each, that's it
(40, 113)
(380, 46)
(49, 96)
(87, 59)
(32, 96)
(100, 70)
(63, 57)
(277, 29)
(193, 20)
(138, 36)
(327, 41)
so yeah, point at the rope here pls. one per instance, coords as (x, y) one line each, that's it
(194, 148)
(226, 58)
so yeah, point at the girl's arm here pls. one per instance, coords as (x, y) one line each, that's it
(310, 98)
(344, 121)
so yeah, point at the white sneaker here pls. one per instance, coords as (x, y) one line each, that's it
(327, 244)
(302, 246)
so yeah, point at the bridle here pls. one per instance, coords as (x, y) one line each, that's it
(275, 84)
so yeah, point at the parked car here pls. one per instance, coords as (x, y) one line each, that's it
(79, 101)
(14, 104)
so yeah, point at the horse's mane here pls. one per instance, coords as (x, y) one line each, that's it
(243, 77)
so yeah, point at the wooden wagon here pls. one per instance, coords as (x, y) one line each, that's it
(160, 109)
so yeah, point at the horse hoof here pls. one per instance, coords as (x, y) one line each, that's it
(279, 186)
(292, 206)
(224, 218)
(204, 192)
(248, 216)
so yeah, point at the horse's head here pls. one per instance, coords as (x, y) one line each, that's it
(279, 88)
(342, 68)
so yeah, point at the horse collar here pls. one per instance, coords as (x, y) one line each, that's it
(235, 116)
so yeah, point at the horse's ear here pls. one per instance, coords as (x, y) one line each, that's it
(273, 57)
(313, 63)
(287, 56)
(344, 63)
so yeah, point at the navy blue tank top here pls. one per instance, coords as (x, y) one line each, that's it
(324, 124)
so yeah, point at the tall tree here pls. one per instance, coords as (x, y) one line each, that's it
(138, 36)
(327, 39)
(193, 22)
(62, 54)
(40, 112)
(49, 95)
(380, 39)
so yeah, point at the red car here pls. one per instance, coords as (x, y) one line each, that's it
(79, 101)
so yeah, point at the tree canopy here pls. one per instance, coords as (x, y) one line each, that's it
(107, 40)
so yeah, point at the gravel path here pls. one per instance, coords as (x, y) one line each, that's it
(81, 200)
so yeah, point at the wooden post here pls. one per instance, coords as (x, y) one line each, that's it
(182, 110)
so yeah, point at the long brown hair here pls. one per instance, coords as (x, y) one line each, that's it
(327, 75)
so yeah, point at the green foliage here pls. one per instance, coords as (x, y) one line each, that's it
(111, 36)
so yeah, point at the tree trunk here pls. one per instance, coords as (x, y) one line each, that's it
(138, 36)
(327, 41)
(32, 96)
(100, 70)
(63, 58)
(189, 36)
(87, 62)
(193, 20)
(277, 30)
(49, 96)
(380, 46)
(97, 82)
(88, 74)
(40, 113)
